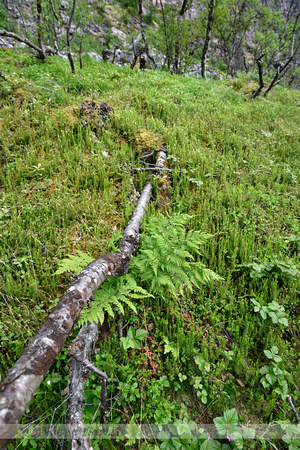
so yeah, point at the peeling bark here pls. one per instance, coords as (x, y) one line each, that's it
(18, 388)
(80, 350)
(164, 181)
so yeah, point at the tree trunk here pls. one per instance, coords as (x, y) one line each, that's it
(70, 57)
(80, 52)
(177, 43)
(210, 19)
(168, 48)
(260, 72)
(18, 388)
(39, 28)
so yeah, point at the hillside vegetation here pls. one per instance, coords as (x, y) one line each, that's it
(68, 184)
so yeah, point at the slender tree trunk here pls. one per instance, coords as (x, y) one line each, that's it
(41, 53)
(142, 24)
(80, 51)
(40, 21)
(210, 19)
(168, 47)
(70, 57)
(260, 72)
(182, 11)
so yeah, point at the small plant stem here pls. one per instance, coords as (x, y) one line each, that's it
(289, 399)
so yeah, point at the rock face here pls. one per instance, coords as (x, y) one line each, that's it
(23, 13)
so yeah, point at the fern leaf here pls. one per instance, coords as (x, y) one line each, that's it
(74, 263)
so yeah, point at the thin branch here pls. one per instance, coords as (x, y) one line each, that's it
(54, 12)
(18, 38)
(289, 399)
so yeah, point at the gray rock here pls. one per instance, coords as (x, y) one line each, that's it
(95, 56)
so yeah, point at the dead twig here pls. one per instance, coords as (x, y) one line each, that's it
(289, 399)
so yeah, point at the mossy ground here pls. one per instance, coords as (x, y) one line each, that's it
(63, 188)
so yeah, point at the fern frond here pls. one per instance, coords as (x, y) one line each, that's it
(74, 263)
(114, 293)
(168, 256)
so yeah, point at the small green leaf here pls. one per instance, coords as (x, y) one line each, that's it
(131, 333)
(140, 334)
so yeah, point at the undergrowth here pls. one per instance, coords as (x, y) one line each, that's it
(190, 355)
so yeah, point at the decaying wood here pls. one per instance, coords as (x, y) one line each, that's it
(18, 388)
(80, 350)
(164, 180)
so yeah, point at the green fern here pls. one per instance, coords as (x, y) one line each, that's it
(172, 348)
(168, 256)
(74, 263)
(168, 262)
(117, 291)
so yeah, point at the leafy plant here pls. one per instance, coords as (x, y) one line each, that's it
(228, 423)
(273, 375)
(167, 257)
(74, 263)
(201, 382)
(117, 291)
(292, 435)
(171, 348)
(133, 339)
(273, 310)
(284, 270)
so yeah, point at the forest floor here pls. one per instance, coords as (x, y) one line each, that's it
(228, 349)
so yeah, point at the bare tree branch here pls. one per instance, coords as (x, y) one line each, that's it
(18, 388)
(289, 399)
(54, 12)
(18, 38)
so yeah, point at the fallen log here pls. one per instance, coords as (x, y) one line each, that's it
(80, 350)
(18, 388)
